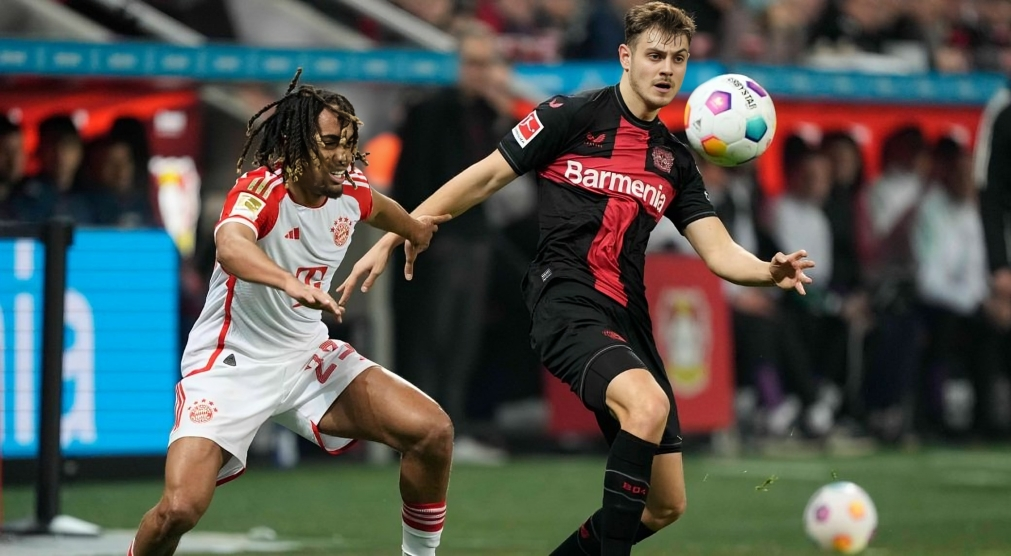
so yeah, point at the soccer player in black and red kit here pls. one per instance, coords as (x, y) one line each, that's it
(608, 170)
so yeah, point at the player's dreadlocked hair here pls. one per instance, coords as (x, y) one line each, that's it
(289, 136)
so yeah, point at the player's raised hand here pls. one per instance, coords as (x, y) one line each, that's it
(371, 265)
(788, 270)
(421, 240)
(314, 298)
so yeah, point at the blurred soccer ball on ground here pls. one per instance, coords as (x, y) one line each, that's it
(841, 517)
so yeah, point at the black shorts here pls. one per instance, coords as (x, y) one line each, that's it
(586, 339)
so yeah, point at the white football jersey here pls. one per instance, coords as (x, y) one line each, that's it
(259, 321)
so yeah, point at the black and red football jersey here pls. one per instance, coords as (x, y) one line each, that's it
(605, 178)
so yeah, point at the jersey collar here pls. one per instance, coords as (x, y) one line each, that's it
(635, 120)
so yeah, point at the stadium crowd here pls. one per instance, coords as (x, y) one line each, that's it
(878, 35)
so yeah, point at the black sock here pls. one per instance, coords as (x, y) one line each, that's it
(642, 533)
(585, 541)
(626, 484)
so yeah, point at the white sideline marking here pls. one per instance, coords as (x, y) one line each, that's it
(114, 542)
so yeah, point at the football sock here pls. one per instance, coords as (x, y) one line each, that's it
(422, 528)
(642, 533)
(626, 484)
(585, 541)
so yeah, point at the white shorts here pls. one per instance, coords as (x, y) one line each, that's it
(235, 395)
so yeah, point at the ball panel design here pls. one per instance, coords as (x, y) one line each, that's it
(719, 102)
(713, 146)
(842, 543)
(729, 127)
(756, 129)
(757, 88)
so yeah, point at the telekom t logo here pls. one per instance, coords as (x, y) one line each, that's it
(311, 275)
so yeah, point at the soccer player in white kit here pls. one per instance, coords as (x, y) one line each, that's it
(259, 350)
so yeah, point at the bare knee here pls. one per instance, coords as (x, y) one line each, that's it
(661, 515)
(177, 514)
(639, 403)
(435, 438)
(648, 416)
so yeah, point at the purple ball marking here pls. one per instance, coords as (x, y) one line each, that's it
(757, 88)
(718, 102)
(821, 514)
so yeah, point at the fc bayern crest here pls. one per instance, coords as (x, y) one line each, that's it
(663, 158)
(202, 411)
(341, 230)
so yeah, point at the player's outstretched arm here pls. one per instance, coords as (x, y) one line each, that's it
(468, 188)
(239, 256)
(389, 216)
(733, 263)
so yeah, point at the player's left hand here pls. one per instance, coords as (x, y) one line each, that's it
(370, 266)
(788, 271)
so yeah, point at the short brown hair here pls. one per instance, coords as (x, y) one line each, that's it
(669, 20)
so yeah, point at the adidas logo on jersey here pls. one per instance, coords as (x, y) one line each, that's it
(593, 178)
(293, 233)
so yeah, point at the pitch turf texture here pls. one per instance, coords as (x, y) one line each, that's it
(930, 502)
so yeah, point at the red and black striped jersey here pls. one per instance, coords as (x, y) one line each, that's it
(605, 178)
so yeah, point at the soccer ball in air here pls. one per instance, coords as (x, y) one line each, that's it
(841, 517)
(730, 119)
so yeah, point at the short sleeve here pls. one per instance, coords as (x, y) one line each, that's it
(361, 192)
(540, 137)
(253, 201)
(692, 201)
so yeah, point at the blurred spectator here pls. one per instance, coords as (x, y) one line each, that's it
(787, 26)
(522, 31)
(869, 35)
(847, 164)
(948, 37)
(992, 172)
(712, 18)
(134, 133)
(755, 312)
(12, 164)
(441, 136)
(438, 13)
(605, 31)
(56, 189)
(115, 196)
(951, 281)
(815, 345)
(886, 212)
(847, 304)
(993, 52)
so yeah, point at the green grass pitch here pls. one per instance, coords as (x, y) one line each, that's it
(931, 502)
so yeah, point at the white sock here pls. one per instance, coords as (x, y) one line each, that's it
(422, 528)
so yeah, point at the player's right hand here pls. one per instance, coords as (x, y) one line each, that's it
(314, 298)
(414, 246)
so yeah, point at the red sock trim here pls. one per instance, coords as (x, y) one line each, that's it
(428, 517)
